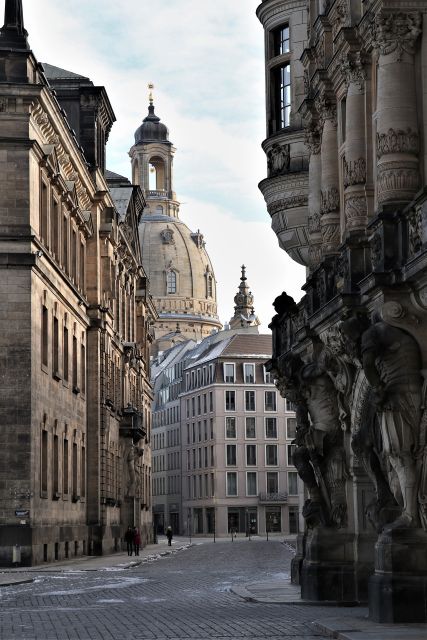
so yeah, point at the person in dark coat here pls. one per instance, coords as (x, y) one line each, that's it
(136, 540)
(169, 535)
(129, 536)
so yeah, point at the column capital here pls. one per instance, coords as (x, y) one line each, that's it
(353, 69)
(313, 138)
(327, 109)
(396, 32)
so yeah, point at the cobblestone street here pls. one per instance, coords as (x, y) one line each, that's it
(187, 595)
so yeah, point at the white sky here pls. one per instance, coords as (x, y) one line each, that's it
(206, 61)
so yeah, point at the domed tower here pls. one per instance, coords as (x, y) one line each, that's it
(182, 280)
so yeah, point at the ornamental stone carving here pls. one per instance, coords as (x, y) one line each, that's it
(397, 32)
(415, 231)
(330, 236)
(397, 182)
(167, 236)
(278, 159)
(354, 172)
(353, 70)
(356, 210)
(314, 223)
(330, 200)
(327, 109)
(313, 139)
(292, 202)
(376, 245)
(341, 18)
(397, 141)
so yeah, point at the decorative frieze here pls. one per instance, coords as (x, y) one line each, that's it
(356, 211)
(397, 182)
(330, 200)
(415, 231)
(314, 223)
(330, 236)
(397, 32)
(354, 172)
(397, 141)
(291, 202)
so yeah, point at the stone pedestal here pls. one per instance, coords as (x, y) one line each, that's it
(398, 589)
(328, 570)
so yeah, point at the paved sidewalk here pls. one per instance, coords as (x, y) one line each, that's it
(115, 562)
(341, 628)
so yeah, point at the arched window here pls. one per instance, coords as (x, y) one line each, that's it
(171, 282)
(209, 286)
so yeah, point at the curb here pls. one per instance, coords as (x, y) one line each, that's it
(248, 596)
(14, 582)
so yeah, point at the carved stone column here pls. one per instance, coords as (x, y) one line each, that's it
(397, 127)
(355, 204)
(313, 143)
(330, 197)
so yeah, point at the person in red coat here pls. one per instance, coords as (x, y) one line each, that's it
(136, 541)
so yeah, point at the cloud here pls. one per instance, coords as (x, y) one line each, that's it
(206, 60)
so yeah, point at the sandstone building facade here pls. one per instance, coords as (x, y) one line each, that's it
(75, 318)
(346, 145)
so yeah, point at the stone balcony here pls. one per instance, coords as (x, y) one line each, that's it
(132, 424)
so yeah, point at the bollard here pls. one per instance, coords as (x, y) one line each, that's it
(16, 555)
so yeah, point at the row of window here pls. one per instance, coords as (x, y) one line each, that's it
(271, 454)
(200, 458)
(196, 433)
(201, 486)
(251, 489)
(200, 377)
(270, 400)
(61, 353)
(270, 428)
(61, 236)
(249, 373)
(172, 283)
(199, 405)
(63, 467)
(171, 415)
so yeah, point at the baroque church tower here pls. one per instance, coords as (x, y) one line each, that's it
(181, 276)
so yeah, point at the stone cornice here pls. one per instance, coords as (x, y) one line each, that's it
(272, 12)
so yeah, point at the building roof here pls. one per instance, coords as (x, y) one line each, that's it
(52, 72)
(121, 197)
(249, 344)
(151, 129)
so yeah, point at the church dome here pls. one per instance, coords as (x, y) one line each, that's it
(152, 130)
(182, 281)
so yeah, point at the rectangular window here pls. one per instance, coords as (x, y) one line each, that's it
(230, 427)
(272, 482)
(230, 401)
(44, 214)
(55, 354)
(205, 403)
(65, 363)
(210, 401)
(212, 428)
(187, 402)
(44, 336)
(231, 483)
(268, 378)
(188, 434)
(291, 428)
(65, 463)
(83, 368)
(229, 372)
(249, 400)
(194, 432)
(74, 256)
(75, 363)
(271, 455)
(251, 483)
(212, 457)
(44, 462)
(251, 455)
(74, 489)
(206, 457)
(55, 226)
(249, 373)
(212, 485)
(231, 455)
(82, 267)
(291, 450)
(270, 401)
(281, 40)
(292, 483)
(285, 96)
(55, 466)
(250, 424)
(65, 243)
(83, 473)
(193, 407)
(199, 406)
(271, 428)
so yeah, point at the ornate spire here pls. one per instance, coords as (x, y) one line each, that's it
(244, 312)
(13, 33)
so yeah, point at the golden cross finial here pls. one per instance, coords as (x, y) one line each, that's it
(150, 95)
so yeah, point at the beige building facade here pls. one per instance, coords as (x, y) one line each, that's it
(75, 318)
(346, 142)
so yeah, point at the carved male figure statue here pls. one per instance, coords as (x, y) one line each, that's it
(392, 364)
(319, 457)
(133, 455)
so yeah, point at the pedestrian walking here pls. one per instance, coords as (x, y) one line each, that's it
(169, 535)
(136, 541)
(129, 536)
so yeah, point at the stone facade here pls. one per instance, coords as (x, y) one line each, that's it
(75, 319)
(352, 353)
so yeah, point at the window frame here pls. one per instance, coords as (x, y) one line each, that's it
(268, 464)
(231, 447)
(255, 448)
(236, 475)
(274, 393)
(294, 473)
(245, 366)
(254, 437)
(227, 419)
(247, 392)
(229, 364)
(254, 473)
(267, 437)
(230, 391)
